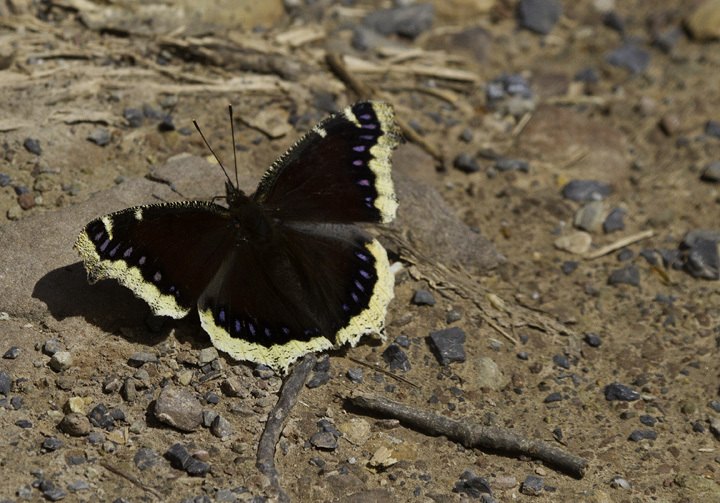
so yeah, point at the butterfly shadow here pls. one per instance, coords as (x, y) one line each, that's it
(110, 307)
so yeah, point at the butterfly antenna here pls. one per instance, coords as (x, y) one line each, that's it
(211, 150)
(232, 132)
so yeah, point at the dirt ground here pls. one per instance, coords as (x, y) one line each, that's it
(71, 69)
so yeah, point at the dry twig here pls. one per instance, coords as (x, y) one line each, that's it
(620, 243)
(472, 435)
(276, 421)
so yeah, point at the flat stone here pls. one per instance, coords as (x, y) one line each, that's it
(630, 57)
(178, 408)
(711, 172)
(407, 21)
(577, 243)
(586, 190)
(617, 391)
(539, 16)
(629, 275)
(447, 345)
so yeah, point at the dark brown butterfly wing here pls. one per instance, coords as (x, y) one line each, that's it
(165, 253)
(337, 172)
(320, 286)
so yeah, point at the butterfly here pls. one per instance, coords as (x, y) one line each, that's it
(278, 273)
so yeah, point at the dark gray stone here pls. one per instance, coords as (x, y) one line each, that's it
(324, 440)
(617, 391)
(638, 435)
(613, 20)
(33, 146)
(539, 16)
(423, 298)
(318, 379)
(592, 339)
(553, 397)
(712, 128)
(5, 179)
(466, 163)
(532, 485)
(146, 458)
(134, 117)
(100, 416)
(648, 420)
(473, 485)
(52, 444)
(355, 375)
(448, 345)
(561, 361)
(5, 382)
(197, 468)
(178, 456)
(629, 275)
(711, 172)
(569, 266)
(629, 56)
(139, 359)
(703, 260)
(409, 21)
(12, 353)
(504, 164)
(396, 358)
(614, 221)
(586, 190)
(625, 255)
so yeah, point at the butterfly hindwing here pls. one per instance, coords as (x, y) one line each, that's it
(337, 172)
(324, 285)
(165, 253)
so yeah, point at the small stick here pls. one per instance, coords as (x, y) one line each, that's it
(129, 476)
(276, 420)
(620, 243)
(472, 435)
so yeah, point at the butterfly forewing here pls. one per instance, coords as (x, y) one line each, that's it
(165, 253)
(337, 172)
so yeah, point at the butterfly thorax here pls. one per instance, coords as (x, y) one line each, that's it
(250, 220)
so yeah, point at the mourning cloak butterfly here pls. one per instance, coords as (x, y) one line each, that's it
(282, 272)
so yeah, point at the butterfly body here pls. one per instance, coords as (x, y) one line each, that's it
(281, 272)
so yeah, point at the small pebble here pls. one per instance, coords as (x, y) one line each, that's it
(207, 355)
(532, 485)
(32, 146)
(220, 427)
(711, 172)
(577, 243)
(452, 316)
(139, 359)
(134, 117)
(586, 190)
(617, 391)
(52, 444)
(406, 21)
(648, 420)
(324, 440)
(396, 358)
(504, 164)
(630, 57)
(402, 341)
(613, 20)
(99, 136)
(5, 382)
(629, 275)
(638, 435)
(179, 408)
(625, 255)
(318, 379)
(561, 361)
(423, 298)
(614, 221)
(553, 397)
(714, 405)
(447, 345)
(77, 486)
(101, 417)
(619, 482)
(592, 339)
(167, 124)
(712, 128)
(5, 180)
(355, 375)
(538, 16)
(589, 216)
(703, 260)
(472, 485)
(466, 163)
(75, 424)
(62, 360)
(52, 346)
(569, 266)
(145, 458)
